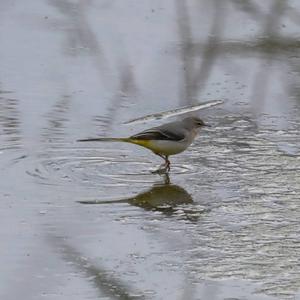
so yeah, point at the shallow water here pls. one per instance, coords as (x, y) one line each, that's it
(90, 221)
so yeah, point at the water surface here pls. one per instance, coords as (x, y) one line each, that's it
(90, 221)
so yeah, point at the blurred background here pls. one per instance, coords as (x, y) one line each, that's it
(91, 221)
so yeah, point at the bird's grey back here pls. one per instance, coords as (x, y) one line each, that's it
(176, 131)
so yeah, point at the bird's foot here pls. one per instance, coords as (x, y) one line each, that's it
(163, 169)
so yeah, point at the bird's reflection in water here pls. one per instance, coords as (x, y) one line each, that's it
(168, 198)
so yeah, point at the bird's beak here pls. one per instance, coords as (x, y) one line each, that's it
(207, 125)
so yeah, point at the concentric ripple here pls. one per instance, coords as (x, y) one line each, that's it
(92, 167)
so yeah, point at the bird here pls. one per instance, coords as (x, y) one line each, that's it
(164, 140)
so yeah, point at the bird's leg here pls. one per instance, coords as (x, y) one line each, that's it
(167, 163)
(164, 167)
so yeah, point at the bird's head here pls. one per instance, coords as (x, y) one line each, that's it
(194, 122)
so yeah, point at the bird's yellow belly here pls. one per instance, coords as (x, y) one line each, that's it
(162, 146)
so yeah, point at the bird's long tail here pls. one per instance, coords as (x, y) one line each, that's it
(106, 139)
(143, 143)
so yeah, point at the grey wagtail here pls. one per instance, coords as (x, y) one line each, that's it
(165, 140)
